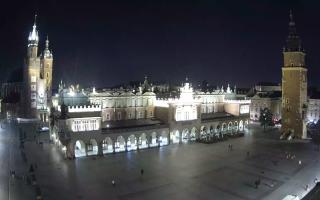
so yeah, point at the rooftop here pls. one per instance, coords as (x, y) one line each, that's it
(132, 124)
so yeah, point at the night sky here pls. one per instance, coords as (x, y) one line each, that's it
(104, 44)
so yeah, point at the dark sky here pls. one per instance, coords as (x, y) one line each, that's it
(104, 44)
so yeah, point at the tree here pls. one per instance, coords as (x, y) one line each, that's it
(265, 118)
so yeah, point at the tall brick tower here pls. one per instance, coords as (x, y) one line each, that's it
(294, 85)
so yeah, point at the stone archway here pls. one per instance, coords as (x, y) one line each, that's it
(153, 141)
(132, 143)
(193, 134)
(107, 145)
(185, 136)
(246, 124)
(92, 147)
(203, 132)
(230, 125)
(163, 139)
(241, 125)
(224, 127)
(120, 144)
(236, 125)
(175, 137)
(143, 141)
(79, 149)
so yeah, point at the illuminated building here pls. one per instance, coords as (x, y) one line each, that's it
(37, 78)
(98, 122)
(294, 86)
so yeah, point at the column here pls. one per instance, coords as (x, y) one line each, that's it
(100, 151)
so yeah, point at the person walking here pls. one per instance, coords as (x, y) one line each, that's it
(113, 183)
(141, 171)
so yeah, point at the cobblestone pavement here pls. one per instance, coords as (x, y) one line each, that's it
(185, 171)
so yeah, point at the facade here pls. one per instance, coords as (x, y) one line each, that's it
(313, 111)
(266, 96)
(294, 86)
(37, 78)
(98, 122)
(11, 100)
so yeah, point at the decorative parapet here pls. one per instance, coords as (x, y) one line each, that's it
(79, 109)
(237, 101)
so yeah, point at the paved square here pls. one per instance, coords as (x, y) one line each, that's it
(185, 171)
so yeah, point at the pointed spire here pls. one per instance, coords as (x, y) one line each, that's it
(33, 36)
(291, 18)
(293, 42)
(47, 43)
(47, 53)
(35, 19)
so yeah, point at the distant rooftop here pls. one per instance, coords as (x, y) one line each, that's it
(267, 84)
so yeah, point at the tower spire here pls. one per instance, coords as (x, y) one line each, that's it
(33, 35)
(47, 53)
(35, 19)
(293, 42)
(47, 43)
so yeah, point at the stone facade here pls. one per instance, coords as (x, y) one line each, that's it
(107, 121)
(294, 86)
(37, 78)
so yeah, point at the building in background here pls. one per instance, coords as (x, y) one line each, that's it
(37, 78)
(266, 95)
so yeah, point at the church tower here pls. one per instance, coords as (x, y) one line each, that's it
(46, 70)
(294, 85)
(32, 72)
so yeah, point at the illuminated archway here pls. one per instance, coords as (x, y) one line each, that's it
(175, 137)
(246, 124)
(120, 144)
(163, 139)
(154, 142)
(211, 129)
(224, 127)
(107, 146)
(92, 147)
(230, 126)
(203, 132)
(193, 133)
(185, 136)
(79, 149)
(132, 143)
(241, 125)
(143, 141)
(236, 126)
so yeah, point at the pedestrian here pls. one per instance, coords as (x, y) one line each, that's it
(248, 153)
(315, 180)
(141, 171)
(307, 187)
(113, 183)
(31, 169)
(231, 147)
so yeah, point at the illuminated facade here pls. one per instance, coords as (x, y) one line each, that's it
(294, 86)
(98, 122)
(37, 78)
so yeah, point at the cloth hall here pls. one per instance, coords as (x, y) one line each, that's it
(98, 122)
